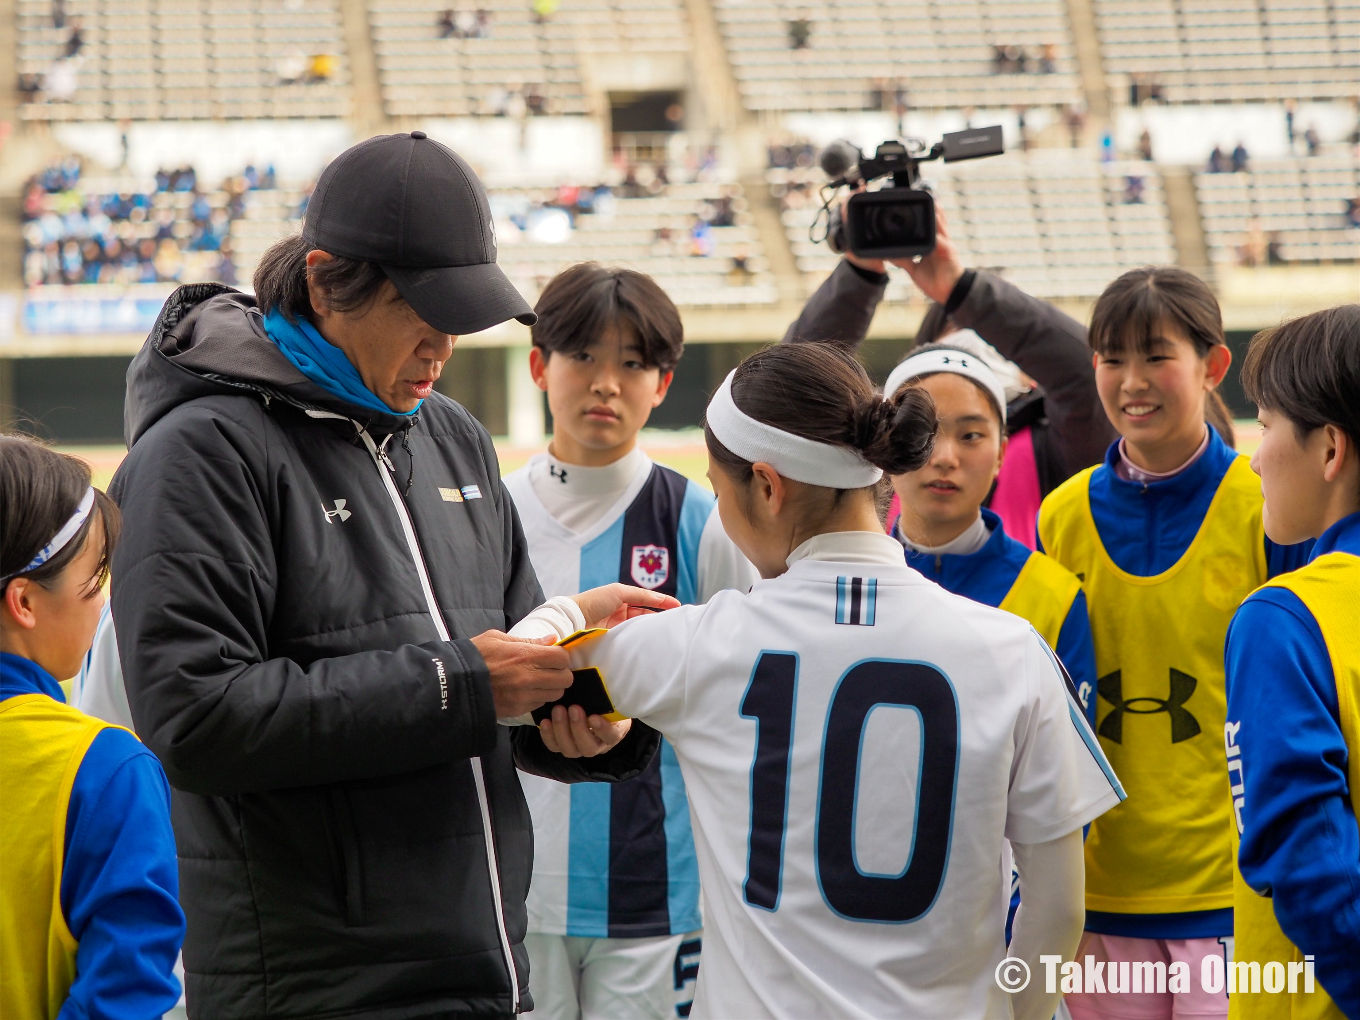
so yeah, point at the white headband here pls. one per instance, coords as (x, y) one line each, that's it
(803, 460)
(956, 362)
(63, 536)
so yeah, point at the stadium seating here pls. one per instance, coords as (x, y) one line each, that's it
(517, 55)
(654, 234)
(1058, 223)
(1286, 210)
(178, 59)
(943, 54)
(124, 231)
(1215, 50)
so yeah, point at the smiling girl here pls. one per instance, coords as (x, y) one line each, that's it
(1167, 538)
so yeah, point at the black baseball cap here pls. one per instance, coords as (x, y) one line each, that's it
(416, 208)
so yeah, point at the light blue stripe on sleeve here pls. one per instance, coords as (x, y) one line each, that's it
(682, 866)
(588, 836)
(694, 514)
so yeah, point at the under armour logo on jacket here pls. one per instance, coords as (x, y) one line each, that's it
(559, 473)
(339, 512)
(1183, 724)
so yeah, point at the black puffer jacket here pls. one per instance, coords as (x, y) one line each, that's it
(292, 595)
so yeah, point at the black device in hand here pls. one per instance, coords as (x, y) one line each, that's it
(586, 690)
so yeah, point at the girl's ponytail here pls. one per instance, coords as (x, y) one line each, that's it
(896, 435)
(1218, 415)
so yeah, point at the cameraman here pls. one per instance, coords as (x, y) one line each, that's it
(1056, 429)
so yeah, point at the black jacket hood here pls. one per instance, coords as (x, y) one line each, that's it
(210, 339)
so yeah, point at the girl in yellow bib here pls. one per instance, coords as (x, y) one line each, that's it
(1294, 686)
(89, 920)
(1166, 536)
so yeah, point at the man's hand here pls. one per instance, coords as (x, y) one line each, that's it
(611, 604)
(571, 734)
(935, 274)
(525, 672)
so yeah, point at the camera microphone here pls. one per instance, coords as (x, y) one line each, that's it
(840, 162)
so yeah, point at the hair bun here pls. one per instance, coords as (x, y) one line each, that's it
(897, 435)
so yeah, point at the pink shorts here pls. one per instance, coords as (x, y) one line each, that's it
(1113, 950)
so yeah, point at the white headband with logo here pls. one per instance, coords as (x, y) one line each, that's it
(63, 536)
(969, 366)
(803, 460)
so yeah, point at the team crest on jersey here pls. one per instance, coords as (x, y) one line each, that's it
(651, 565)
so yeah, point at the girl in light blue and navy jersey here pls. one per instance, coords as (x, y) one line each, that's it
(89, 919)
(1293, 680)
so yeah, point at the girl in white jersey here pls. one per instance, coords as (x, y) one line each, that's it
(856, 741)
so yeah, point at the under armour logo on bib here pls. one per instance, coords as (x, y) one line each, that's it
(1183, 724)
(559, 473)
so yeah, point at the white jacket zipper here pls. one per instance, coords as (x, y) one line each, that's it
(379, 455)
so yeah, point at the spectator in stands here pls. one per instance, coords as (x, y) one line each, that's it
(321, 67)
(1353, 212)
(800, 32)
(1000, 62)
(1218, 162)
(1048, 61)
(1240, 158)
(58, 14)
(1057, 428)
(30, 85)
(61, 80)
(291, 68)
(1312, 139)
(1145, 145)
(482, 20)
(1133, 189)
(544, 10)
(702, 243)
(75, 39)
(1074, 116)
(1290, 106)
(1252, 251)
(535, 101)
(1274, 249)
(445, 25)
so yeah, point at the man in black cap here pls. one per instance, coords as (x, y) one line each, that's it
(317, 566)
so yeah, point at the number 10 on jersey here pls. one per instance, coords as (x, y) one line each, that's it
(853, 894)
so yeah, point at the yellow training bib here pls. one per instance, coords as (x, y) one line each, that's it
(44, 743)
(1043, 594)
(1161, 705)
(1330, 588)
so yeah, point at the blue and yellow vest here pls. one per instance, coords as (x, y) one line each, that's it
(1161, 699)
(43, 744)
(1330, 589)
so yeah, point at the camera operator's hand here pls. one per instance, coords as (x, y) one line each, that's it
(935, 274)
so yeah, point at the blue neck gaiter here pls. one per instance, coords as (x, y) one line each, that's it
(322, 362)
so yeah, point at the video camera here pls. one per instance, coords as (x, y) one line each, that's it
(898, 220)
